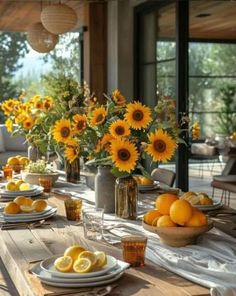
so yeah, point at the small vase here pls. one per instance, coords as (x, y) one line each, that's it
(105, 189)
(126, 195)
(72, 170)
(33, 153)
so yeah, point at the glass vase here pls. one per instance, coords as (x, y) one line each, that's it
(126, 197)
(72, 170)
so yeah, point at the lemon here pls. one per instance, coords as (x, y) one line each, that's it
(82, 265)
(18, 183)
(24, 186)
(12, 208)
(27, 209)
(39, 205)
(74, 251)
(88, 255)
(24, 160)
(20, 200)
(101, 259)
(13, 161)
(11, 186)
(63, 264)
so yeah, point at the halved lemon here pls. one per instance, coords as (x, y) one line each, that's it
(74, 251)
(82, 265)
(63, 264)
(101, 259)
(27, 209)
(24, 186)
(88, 255)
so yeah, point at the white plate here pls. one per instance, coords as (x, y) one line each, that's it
(20, 192)
(48, 265)
(16, 219)
(44, 275)
(216, 205)
(11, 196)
(27, 215)
(149, 187)
(83, 285)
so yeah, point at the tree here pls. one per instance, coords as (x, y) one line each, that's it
(13, 46)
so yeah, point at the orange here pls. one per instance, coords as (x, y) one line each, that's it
(27, 201)
(164, 202)
(181, 211)
(197, 219)
(74, 251)
(20, 200)
(205, 200)
(151, 217)
(13, 161)
(146, 181)
(137, 179)
(11, 186)
(24, 160)
(165, 221)
(39, 205)
(12, 208)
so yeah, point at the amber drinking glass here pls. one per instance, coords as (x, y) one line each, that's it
(134, 249)
(73, 209)
(7, 172)
(46, 183)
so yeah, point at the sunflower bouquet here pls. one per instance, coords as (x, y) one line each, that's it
(120, 134)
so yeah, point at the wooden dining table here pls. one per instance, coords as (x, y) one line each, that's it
(22, 248)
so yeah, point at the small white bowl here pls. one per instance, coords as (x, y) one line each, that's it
(33, 178)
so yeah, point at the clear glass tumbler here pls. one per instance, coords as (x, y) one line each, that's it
(93, 223)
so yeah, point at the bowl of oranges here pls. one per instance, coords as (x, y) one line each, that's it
(176, 221)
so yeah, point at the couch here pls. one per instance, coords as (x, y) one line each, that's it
(10, 145)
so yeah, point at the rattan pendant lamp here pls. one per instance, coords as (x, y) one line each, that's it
(58, 18)
(40, 39)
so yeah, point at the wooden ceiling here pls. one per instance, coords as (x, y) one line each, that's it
(219, 21)
(209, 19)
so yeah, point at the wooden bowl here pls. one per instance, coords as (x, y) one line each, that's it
(33, 178)
(179, 236)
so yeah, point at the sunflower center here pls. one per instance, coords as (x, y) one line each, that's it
(124, 154)
(159, 145)
(80, 125)
(119, 130)
(99, 118)
(138, 115)
(47, 105)
(65, 132)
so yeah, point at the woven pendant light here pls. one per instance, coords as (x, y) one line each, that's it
(58, 18)
(40, 39)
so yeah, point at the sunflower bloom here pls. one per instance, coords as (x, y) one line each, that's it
(62, 131)
(138, 116)
(28, 123)
(124, 155)
(162, 146)
(47, 103)
(80, 123)
(119, 128)
(9, 125)
(71, 153)
(8, 106)
(118, 98)
(38, 105)
(104, 143)
(98, 116)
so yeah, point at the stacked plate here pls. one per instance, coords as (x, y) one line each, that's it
(34, 190)
(216, 205)
(47, 273)
(155, 185)
(30, 217)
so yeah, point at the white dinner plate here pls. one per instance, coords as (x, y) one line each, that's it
(27, 215)
(48, 265)
(16, 219)
(216, 205)
(44, 275)
(21, 192)
(14, 194)
(83, 285)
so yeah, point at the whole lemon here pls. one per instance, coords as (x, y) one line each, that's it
(11, 186)
(39, 205)
(13, 161)
(181, 211)
(20, 200)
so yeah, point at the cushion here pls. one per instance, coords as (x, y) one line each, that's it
(13, 143)
(203, 149)
(2, 147)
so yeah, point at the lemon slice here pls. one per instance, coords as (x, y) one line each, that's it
(88, 255)
(24, 186)
(63, 264)
(27, 209)
(82, 265)
(101, 259)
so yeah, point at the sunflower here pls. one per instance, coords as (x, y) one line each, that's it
(62, 131)
(28, 123)
(9, 105)
(124, 155)
(98, 116)
(137, 115)
(162, 146)
(119, 128)
(48, 102)
(104, 143)
(71, 153)
(21, 117)
(118, 98)
(9, 125)
(80, 122)
(38, 105)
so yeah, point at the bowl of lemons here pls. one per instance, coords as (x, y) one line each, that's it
(176, 221)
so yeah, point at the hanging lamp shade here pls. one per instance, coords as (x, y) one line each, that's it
(40, 39)
(58, 18)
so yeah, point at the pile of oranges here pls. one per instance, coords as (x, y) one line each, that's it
(172, 211)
